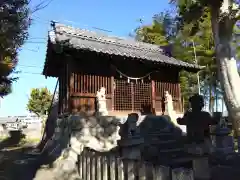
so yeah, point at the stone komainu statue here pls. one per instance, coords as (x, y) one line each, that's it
(101, 101)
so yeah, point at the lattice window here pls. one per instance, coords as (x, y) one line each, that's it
(85, 83)
(172, 88)
(131, 96)
(142, 95)
(122, 95)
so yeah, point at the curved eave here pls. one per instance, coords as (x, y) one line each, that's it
(50, 69)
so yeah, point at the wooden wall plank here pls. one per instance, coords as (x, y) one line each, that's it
(86, 86)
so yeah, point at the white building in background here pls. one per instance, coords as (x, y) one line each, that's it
(29, 119)
(18, 122)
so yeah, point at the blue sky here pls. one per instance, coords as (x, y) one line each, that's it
(118, 16)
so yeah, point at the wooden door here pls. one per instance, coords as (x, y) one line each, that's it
(83, 103)
(122, 96)
(141, 95)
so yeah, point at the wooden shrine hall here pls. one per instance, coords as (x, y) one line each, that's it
(133, 73)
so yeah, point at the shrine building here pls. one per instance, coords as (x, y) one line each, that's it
(133, 73)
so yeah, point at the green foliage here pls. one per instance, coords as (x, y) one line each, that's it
(165, 31)
(39, 101)
(14, 18)
(236, 40)
(205, 51)
(196, 17)
(156, 33)
(192, 10)
(190, 28)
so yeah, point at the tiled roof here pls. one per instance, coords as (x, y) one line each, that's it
(92, 41)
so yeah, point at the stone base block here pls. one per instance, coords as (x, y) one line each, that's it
(201, 168)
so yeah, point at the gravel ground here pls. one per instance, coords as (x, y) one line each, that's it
(226, 167)
(12, 167)
(10, 170)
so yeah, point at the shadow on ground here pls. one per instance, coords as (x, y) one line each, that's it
(13, 140)
(13, 165)
(12, 156)
(10, 151)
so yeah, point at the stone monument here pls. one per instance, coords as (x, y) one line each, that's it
(130, 138)
(198, 135)
(101, 101)
(198, 130)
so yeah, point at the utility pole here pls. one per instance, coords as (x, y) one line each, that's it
(196, 62)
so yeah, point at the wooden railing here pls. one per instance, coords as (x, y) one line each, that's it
(93, 166)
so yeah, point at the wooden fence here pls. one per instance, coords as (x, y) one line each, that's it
(94, 166)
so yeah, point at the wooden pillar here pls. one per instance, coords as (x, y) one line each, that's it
(153, 95)
(149, 171)
(120, 169)
(72, 90)
(93, 166)
(162, 172)
(64, 86)
(142, 171)
(104, 168)
(130, 169)
(112, 91)
(98, 168)
(125, 169)
(84, 162)
(80, 165)
(60, 95)
(112, 167)
(88, 166)
(68, 73)
(132, 95)
(180, 99)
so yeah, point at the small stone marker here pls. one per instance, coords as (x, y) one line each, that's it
(182, 174)
(224, 142)
(201, 168)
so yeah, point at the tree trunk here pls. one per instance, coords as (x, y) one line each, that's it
(230, 83)
(227, 67)
(210, 99)
(216, 98)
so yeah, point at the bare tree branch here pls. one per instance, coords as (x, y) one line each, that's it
(42, 5)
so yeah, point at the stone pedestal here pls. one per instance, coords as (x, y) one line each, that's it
(224, 142)
(238, 143)
(131, 148)
(131, 139)
(201, 168)
(183, 174)
(213, 137)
